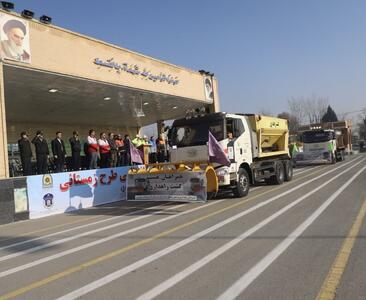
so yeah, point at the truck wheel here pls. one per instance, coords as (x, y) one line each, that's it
(338, 156)
(242, 185)
(289, 171)
(279, 176)
(211, 195)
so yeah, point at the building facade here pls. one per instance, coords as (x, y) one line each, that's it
(53, 79)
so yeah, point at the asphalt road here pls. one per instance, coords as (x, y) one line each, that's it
(301, 240)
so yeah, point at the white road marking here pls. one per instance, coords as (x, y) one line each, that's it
(100, 241)
(81, 226)
(159, 289)
(74, 237)
(303, 170)
(157, 255)
(242, 283)
(33, 249)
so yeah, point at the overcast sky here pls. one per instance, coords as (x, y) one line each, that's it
(262, 52)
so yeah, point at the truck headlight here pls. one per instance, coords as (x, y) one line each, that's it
(222, 171)
(222, 174)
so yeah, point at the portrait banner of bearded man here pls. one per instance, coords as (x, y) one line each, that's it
(12, 45)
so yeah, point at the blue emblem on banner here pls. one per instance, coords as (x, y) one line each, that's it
(48, 200)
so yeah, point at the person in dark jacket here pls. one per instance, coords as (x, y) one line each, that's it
(113, 158)
(120, 149)
(126, 153)
(25, 153)
(42, 152)
(75, 151)
(161, 148)
(59, 152)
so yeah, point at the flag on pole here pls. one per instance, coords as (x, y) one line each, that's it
(216, 152)
(135, 154)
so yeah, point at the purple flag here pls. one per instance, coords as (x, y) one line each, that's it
(215, 151)
(135, 154)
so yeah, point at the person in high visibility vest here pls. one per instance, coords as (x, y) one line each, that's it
(137, 141)
(330, 147)
(293, 149)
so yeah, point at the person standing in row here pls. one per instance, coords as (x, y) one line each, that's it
(138, 142)
(75, 151)
(113, 150)
(161, 148)
(127, 154)
(104, 150)
(93, 150)
(59, 152)
(153, 150)
(120, 149)
(42, 152)
(25, 153)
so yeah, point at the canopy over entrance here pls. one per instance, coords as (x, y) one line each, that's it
(54, 102)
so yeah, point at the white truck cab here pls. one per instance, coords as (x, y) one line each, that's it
(319, 146)
(257, 147)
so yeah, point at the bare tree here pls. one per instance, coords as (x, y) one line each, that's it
(362, 126)
(265, 112)
(293, 124)
(308, 110)
(297, 109)
(315, 108)
(342, 116)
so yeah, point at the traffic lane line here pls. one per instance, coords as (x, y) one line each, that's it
(130, 213)
(138, 264)
(36, 261)
(333, 279)
(61, 218)
(300, 270)
(68, 239)
(21, 242)
(244, 281)
(24, 225)
(99, 241)
(86, 233)
(305, 176)
(82, 218)
(297, 172)
(136, 245)
(172, 281)
(35, 257)
(307, 168)
(352, 285)
(295, 275)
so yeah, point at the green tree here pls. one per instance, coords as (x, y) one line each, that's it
(329, 116)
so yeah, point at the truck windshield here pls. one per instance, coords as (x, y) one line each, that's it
(184, 135)
(317, 136)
